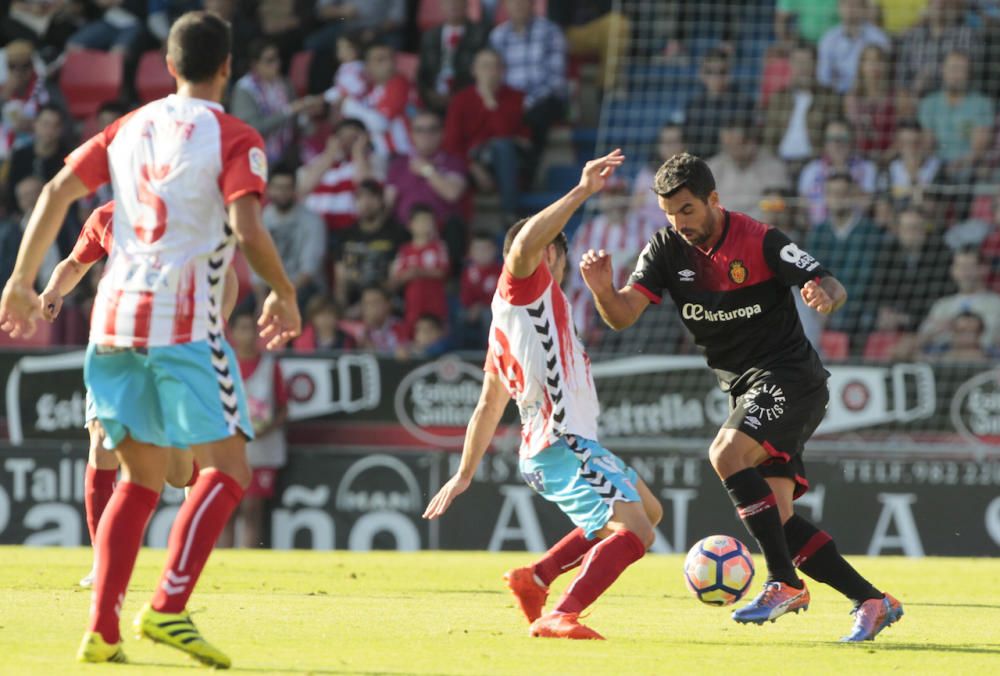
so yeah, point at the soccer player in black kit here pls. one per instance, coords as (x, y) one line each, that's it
(730, 277)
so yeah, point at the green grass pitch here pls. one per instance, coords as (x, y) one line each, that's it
(448, 613)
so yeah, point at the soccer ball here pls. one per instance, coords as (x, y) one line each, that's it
(718, 570)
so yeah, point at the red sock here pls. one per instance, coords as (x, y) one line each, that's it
(564, 555)
(601, 567)
(98, 485)
(119, 536)
(194, 474)
(192, 537)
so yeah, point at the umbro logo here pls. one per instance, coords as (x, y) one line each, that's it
(686, 275)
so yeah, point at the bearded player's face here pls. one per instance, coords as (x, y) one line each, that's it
(692, 218)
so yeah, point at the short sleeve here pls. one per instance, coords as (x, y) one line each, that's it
(244, 163)
(524, 291)
(791, 265)
(650, 274)
(90, 161)
(92, 244)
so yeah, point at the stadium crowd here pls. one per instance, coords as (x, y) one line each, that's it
(869, 134)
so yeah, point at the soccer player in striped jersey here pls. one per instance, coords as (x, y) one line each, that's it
(93, 244)
(536, 358)
(187, 182)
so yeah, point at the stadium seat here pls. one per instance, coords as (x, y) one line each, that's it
(560, 178)
(298, 72)
(777, 73)
(880, 345)
(407, 65)
(541, 9)
(835, 345)
(152, 79)
(89, 78)
(40, 339)
(430, 14)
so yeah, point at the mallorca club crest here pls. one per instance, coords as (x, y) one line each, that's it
(737, 272)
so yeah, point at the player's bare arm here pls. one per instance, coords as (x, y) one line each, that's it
(19, 304)
(618, 308)
(482, 426)
(826, 296)
(280, 320)
(529, 246)
(64, 279)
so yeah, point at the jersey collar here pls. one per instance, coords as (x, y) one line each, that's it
(722, 237)
(204, 102)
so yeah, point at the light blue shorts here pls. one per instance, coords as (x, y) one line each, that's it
(89, 410)
(583, 478)
(175, 395)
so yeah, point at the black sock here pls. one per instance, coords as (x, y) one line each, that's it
(756, 506)
(816, 555)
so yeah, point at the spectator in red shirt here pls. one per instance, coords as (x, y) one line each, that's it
(479, 282)
(267, 400)
(382, 107)
(485, 124)
(380, 331)
(430, 176)
(871, 107)
(421, 269)
(323, 329)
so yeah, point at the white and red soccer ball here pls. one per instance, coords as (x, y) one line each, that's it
(718, 570)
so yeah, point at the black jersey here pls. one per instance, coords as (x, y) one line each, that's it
(736, 299)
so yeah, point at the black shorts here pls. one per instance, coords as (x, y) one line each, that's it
(780, 415)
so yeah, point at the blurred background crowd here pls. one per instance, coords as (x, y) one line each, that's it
(403, 136)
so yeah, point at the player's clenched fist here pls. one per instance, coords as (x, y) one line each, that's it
(817, 298)
(595, 267)
(50, 303)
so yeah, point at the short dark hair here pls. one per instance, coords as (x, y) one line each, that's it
(370, 185)
(840, 176)
(909, 124)
(508, 240)
(199, 44)
(421, 208)
(319, 303)
(802, 45)
(433, 319)
(260, 45)
(242, 312)
(482, 233)
(716, 54)
(378, 288)
(684, 170)
(377, 44)
(282, 169)
(350, 122)
(51, 108)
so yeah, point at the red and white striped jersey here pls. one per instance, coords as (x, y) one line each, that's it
(382, 109)
(174, 165)
(96, 239)
(535, 351)
(333, 197)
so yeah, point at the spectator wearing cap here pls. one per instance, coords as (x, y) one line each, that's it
(446, 55)
(840, 48)
(744, 170)
(718, 103)
(923, 48)
(533, 50)
(795, 116)
(838, 157)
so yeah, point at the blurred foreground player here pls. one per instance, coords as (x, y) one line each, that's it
(93, 244)
(729, 277)
(160, 371)
(536, 358)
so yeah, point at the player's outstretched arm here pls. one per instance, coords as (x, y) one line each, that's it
(618, 308)
(826, 296)
(482, 426)
(279, 320)
(64, 279)
(19, 304)
(528, 247)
